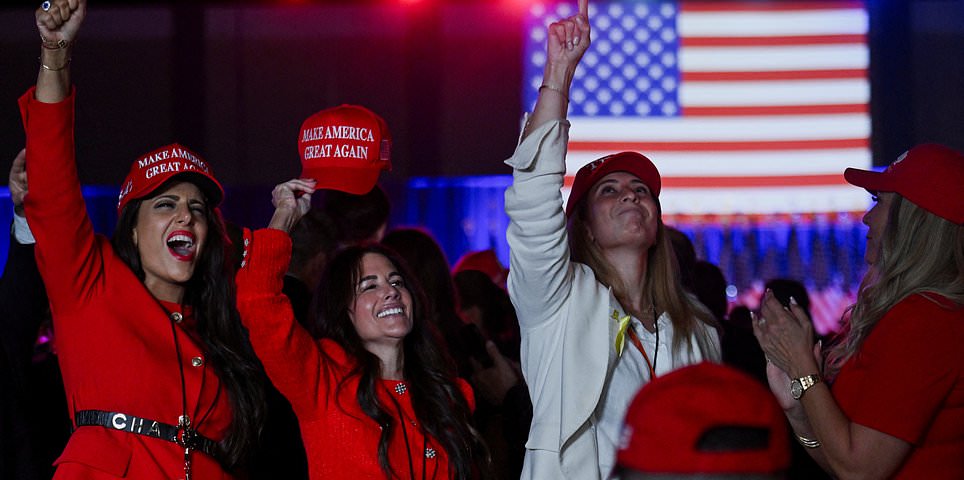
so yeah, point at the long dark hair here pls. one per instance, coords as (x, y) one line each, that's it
(438, 403)
(211, 294)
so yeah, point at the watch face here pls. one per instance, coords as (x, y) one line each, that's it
(796, 390)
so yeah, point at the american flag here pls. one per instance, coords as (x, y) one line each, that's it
(745, 107)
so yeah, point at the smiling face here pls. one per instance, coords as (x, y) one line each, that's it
(382, 308)
(622, 212)
(876, 219)
(169, 234)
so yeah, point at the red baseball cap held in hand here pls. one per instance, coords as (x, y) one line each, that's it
(705, 418)
(590, 173)
(345, 148)
(154, 168)
(930, 175)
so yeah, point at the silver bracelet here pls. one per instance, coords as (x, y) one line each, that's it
(808, 442)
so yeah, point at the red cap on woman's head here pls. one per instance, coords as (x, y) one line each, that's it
(590, 173)
(345, 148)
(154, 168)
(930, 175)
(704, 418)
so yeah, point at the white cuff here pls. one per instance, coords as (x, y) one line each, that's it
(21, 231)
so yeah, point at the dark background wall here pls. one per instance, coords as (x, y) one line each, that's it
(234, 80)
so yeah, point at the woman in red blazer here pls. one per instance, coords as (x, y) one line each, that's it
(160, 380)
(375, 396)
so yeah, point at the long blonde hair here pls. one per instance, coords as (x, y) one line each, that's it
(662, 282)
(919, 252)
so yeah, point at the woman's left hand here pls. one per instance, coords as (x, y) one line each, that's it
(18, 181)
(786, 336)
(291, 200)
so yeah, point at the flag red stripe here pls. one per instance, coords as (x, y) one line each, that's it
(733, 182)
(828, 109)
(783, 217)
(708, 6)
(773, 41)
(828, 74)
(615, 146)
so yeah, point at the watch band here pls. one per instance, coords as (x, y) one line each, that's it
(798, 386)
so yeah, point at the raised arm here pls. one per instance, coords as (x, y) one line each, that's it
(58, 22)
(566, 41)
(539, 277)
(67, 252)
(291, 356)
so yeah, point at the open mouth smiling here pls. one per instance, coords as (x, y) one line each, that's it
(181, 245)
(390, 311)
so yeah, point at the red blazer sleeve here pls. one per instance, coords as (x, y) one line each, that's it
(290, 355)
(68, 255)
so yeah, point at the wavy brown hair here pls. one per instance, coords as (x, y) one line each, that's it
(919, 253)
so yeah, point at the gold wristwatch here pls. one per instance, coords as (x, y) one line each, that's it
(800, 385)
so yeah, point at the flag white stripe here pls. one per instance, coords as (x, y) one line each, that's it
(840, 198)
(765, 200)
(709, 164)
(773, 58)
(776, 23)
(774, 92)
(709, 129)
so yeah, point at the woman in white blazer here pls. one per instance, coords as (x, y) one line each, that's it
(600, 304)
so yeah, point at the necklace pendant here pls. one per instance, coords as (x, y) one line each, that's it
(400, 388)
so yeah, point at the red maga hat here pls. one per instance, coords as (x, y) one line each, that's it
(705, 418)
(345, 148)
(156, 167)
(930, 175)
(590, 173)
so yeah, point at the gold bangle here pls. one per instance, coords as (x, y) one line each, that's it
(555, 89)
(808, 442)
(53, 69)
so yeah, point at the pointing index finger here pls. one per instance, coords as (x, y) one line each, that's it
(584, 8)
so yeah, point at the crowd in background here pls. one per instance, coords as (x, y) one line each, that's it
(331, 344)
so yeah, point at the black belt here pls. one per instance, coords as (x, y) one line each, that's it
(187, 438)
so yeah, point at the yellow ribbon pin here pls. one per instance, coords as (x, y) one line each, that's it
(620, 343)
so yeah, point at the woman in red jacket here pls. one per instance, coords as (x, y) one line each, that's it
(159, 378)
(375, 396)
(890, 401)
